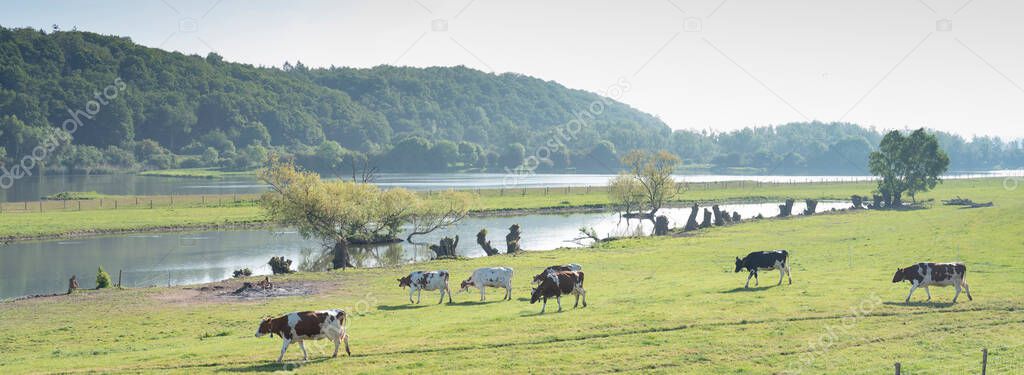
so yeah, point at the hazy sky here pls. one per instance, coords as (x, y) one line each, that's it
(695, 64)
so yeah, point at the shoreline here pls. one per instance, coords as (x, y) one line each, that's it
(499, 212)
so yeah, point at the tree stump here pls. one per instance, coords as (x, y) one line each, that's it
(279, 265)
(812, 206)
(707, 219)
(661, 225)
(481, 239)
(72, 284)
(446, 247)
(512, 240)
(877, 201)
(786, 209)
(341, 259)
(691, 223)
(736, 217)
(719, 221)
(858, 202)
(726, 217)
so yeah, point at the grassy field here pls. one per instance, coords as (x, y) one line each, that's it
(657, 305)
(131, 213)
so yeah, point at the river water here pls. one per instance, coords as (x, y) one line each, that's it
(177, 258)
(32, 188)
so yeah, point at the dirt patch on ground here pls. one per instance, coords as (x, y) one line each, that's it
(233, 290)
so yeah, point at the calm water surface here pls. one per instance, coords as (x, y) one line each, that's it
(43, 267)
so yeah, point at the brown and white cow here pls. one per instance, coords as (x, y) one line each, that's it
(939, 274)
(419, 281)
(558, 283)
(307, 325)
(557, 268)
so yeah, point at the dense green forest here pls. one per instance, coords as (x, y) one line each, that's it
(100, 103)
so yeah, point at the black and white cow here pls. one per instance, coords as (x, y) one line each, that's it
(558, 283)
(766, 261)
(495, 277)
(559, 268)
(307, 325)
(938, 274)
(419, 281)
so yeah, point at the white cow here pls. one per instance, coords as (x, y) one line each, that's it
(419, 281)
(495, 277)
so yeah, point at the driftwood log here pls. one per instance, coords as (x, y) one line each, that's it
(786, 209)
(446, 247)
(812, 206)
(72, 284)
(858, 202)
(691, 223)
(512, 240)
(481, 239)
(280, 265)
(707, 219)
(719, 221)
(661, 225)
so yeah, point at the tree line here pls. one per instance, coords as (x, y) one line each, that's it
(182, 111)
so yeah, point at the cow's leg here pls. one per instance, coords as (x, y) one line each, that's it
(410, 295)
(449, 293)
(756, 283)
(584, 292)
(558, 299)
(929, 291)
(544, 306)
(782, 272)
(508, 293)
(968, 290)
(302, 344)
(790, 277)
(957, 287)
(747, 285)
(284, 347)
(482, 294)
(419, 292)
(442, 297)
(577, 293)
(349, 352)
(912, 287)
(337, 343)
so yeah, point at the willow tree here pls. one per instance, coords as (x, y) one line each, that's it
(626, 192)
(653, 171)
(336, 212)
(445, 209)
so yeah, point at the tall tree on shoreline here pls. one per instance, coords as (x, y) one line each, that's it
(910, 164)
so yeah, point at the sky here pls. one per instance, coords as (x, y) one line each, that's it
(953, 65)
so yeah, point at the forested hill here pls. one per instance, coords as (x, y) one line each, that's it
(433, 118)
(175, 110)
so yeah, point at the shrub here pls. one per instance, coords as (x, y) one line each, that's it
(102, 279)
(243, 272)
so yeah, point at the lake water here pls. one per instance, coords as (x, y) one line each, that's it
(177, 258)
(32, 188)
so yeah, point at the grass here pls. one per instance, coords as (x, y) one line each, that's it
(657, 305)
(197, 173)
(124, 213)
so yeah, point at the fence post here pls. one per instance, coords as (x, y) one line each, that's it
(524, 192)
(79, 204)
(897, 368)
(118, 278)
(151, 204)
(40, 206)
(984, 360)
(115, 204)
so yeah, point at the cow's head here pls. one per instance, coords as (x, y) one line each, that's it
(898, 276)
(405, 281)
(535, 295)
(466, 284)
(264, 327)
(739, 264)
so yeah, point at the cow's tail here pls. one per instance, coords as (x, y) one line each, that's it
(785, 258)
